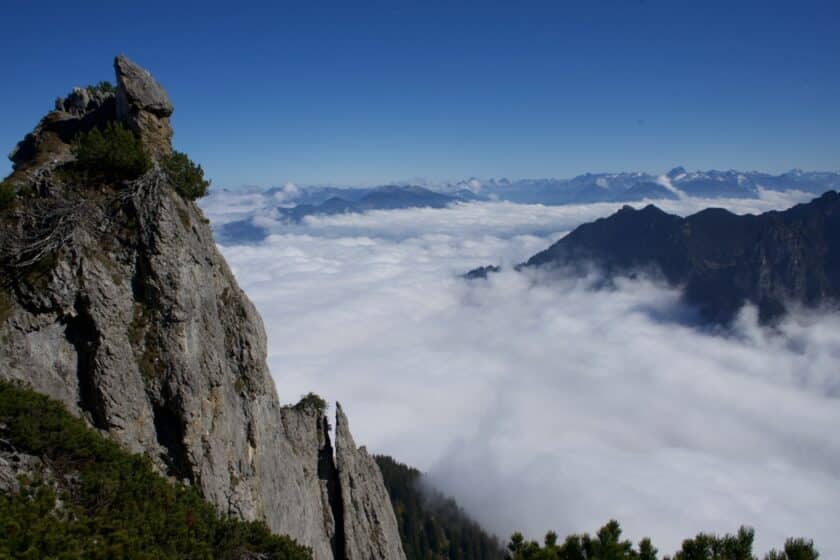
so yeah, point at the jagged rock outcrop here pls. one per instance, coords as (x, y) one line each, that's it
(144, 106)
(83, 101)
(369, 524)
(49, 145)
(115, 300)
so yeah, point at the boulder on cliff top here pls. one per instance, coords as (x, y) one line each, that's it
(144, 106)
(139, 91)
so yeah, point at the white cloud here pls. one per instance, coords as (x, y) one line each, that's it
(548, 405)
(286, 193)
(224, 206)
(666, 182)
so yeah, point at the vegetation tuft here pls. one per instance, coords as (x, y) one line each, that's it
(311, 400)
(186, 176)
(102, 87)
(108, 155)
(99, 501)
(7, 195)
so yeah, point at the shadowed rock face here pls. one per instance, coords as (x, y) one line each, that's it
(722, 260)
(134, 320)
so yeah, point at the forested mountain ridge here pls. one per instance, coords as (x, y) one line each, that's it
(433, 526)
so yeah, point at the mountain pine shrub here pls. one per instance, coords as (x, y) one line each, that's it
(97, 501)
(607, 544)
(7, 195)
(110, 154)
(187, 177)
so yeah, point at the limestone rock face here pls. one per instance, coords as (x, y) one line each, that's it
(115, 300)
(370, 526)
(139, 91)
(83, 100)
(143, 105)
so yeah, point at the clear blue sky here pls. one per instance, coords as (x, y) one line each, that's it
(365, 92)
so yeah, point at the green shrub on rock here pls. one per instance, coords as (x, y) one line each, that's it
(186, 176)
(110, 154)
(312, 400)
(96, 500)
(103, 87)
(7, 195)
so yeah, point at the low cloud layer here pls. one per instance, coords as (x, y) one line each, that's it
(546, 404)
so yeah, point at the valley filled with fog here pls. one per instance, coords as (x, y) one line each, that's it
(545, 403)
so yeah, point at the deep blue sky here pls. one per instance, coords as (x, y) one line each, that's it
(366, 92)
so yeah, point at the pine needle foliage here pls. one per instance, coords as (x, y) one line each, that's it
(97, 501)
(186, 176)
(607, 544)
(7, 195)
(107, 155)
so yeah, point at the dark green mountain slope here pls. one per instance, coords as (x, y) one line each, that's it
(774, 261)
(721, 259)
(79, 495)
(432, 526)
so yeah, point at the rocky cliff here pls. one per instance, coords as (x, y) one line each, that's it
(115, 300)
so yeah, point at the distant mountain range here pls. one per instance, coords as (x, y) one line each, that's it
(340, 201)
(634, 187)
(721, 260)
(586, 188)
(294, 207)
(391, 197)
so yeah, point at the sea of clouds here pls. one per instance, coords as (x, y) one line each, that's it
(543, 403)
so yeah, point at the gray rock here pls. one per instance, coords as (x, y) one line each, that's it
(76, 102)
(140, 328)
(144, 106)
(137, 324)
(370, 526)
(139, 91)
(14, 464)
(83, 100)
